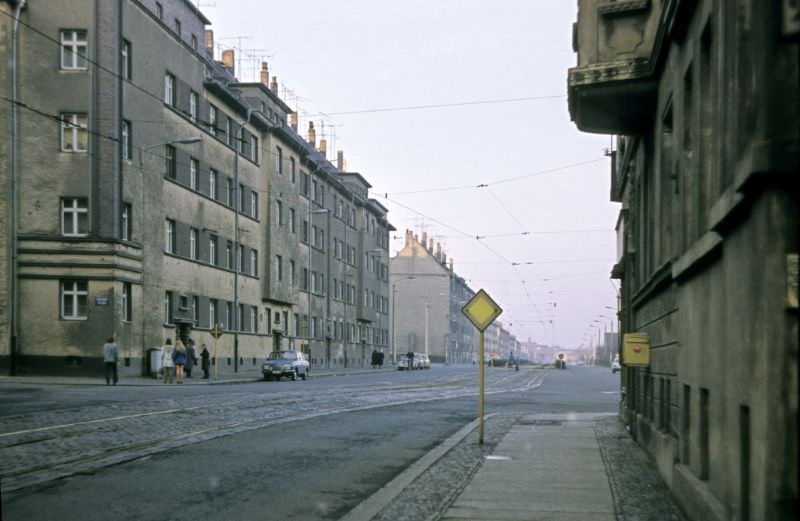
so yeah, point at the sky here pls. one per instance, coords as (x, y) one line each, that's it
(518, 197)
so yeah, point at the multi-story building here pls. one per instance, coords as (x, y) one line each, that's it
(148, 194)
(427, 298)
(704, 98)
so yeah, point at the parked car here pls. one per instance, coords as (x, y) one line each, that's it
(285, 363)
(615, 366)
(403, 363)
(424, 360)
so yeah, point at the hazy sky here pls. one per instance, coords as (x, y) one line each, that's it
(544, 177)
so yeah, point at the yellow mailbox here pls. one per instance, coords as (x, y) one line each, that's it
(636, 349)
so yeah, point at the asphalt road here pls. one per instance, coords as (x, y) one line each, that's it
(269, 450)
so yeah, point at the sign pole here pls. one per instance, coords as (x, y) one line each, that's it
(480, 400)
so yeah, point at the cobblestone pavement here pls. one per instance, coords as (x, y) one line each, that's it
(38, 448)
(639, 492)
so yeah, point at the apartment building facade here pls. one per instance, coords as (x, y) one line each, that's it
(704, 98)
(152, 195)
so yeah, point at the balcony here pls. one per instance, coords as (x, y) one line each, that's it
(613, 88)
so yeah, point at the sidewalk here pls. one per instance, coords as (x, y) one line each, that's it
(547, 467)
(248, 375)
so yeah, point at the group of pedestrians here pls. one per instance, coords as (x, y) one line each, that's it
(180, 359)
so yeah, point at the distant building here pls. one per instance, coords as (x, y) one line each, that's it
(427, 298)
(703, 96)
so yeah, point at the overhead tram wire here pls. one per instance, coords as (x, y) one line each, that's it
(444, 105)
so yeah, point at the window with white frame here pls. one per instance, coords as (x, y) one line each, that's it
(178, 27)
(169, 89)
(231, 320)
(253, 320)
(73, 49)
(228, 136)
(168, 307)
(229, 255)
(212, 120)
(127, 64)
(74, 299)
(254, 263)
(253, 204)
(193, 243)
(253, 149)
(212, 312)
(74, 217)
(74, 132)
(169, 236)
(267, 321)
(212, 250)
(196, 310)
(126, 224)
(193, 106)
(194, 42)
(194, 172)
(229, 191)
(126, 140)
(127, 302)
(170, 161)
(212, 183)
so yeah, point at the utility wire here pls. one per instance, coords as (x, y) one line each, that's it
(443, 105)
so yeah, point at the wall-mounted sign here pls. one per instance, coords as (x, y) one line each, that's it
(636, 349)
(101, 301)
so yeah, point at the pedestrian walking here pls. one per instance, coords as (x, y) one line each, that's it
(167, 361)
(110, 359)
(179, 357)
(191, 357)
(205, 360)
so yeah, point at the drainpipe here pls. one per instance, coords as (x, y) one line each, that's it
(14, 155)
(237, 257)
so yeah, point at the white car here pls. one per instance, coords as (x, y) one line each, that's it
(615, 366)
(424, 360)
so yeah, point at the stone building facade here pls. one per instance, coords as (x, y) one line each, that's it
(703, 96)
(149, 194)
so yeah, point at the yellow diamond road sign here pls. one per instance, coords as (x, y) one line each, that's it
(481, 310)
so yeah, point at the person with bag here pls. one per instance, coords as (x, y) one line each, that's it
(205, 358)
(179, 357)
(167, 363)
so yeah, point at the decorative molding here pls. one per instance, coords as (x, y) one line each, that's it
(623, 7)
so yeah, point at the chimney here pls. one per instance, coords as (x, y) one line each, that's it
(409, 237)
(430, 245)
(264, 74)
(293, 121)
(229, 61)
(451, 263)
(424, 238)
(416, 238)
(340, 160)
(312, 134)
(444, 258)
(323, 147)
(439, 250)
(210, 43)
(274, 85)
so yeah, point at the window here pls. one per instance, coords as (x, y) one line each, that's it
(291, 273)
(212, 312)
(291, 220)
(194, 169)
(127, 69)
(304, 282)
(169, 89)
(74, 299)
(171, 162)
(254, 263)
(241, 198)
(74, 217)
(268, 321)
(292, 170)
(305, 230)
(159, 11)
(212, 250)
(196, 310)
(168, 307)
(178, 26)
(229, 255)
(73, 50)
(126, 140)
(279, 213)
(74, 132)
(193, 106)
(125, 224)
(127, 302)
(212, 183)
(193, 243)
(229, 191)
(304, 186)
(253, 204)
(194, 42)
(228, 136)
(254, 149)
(279, 160)
(278, 268)
(212, 120)
(169, 236)
(296, 318)
(240, 259)
(229, 315)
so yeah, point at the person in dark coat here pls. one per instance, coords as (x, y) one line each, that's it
(191, 357)
(205, 361)
(110, 359)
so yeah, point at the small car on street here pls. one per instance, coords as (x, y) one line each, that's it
(615, 366)
(424, 360)
(293, 364)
